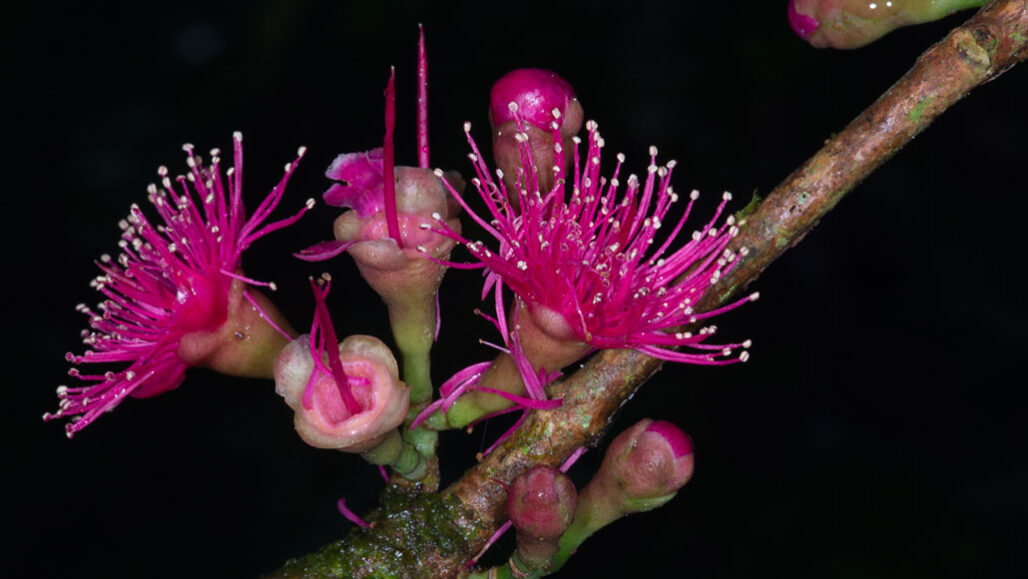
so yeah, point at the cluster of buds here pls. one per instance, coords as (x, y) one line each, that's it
(643, 468)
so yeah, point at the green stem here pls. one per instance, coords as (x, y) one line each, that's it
(413, 326)
(398, 454)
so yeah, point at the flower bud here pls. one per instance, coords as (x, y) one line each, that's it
(541, 503)
(532, 95)
(323, 418)
(643, 469)
(649, 461)
(854, 23)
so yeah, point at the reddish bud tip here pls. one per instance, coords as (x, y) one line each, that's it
(677, 440)
(541, 503)
(802, 24)
(535, 91)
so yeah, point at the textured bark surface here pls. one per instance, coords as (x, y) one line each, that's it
(988, 44)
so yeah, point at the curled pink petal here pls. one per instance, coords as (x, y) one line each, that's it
(362, 187)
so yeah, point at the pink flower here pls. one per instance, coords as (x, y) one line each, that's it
(176, 296)
(585, 261)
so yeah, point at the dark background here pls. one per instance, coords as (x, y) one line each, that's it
(878, 429)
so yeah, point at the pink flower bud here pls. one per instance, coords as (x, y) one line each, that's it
(541, 503)
(323, 418)
(653, 459)
(535, 91)
(547, 107)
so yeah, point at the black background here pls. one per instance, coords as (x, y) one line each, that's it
(878, 429)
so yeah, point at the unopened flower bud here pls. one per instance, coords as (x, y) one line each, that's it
(323, 416)
(648, 462)
(643, 469)
(854, 23)
(541, 505)
(542, 100)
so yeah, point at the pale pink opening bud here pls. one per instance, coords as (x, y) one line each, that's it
(323, 419)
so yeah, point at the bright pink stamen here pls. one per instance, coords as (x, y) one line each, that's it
(331, 341)
(422, 100)
(388, 163)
